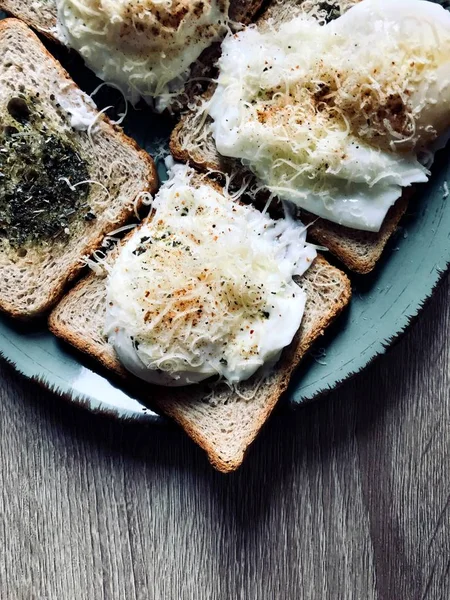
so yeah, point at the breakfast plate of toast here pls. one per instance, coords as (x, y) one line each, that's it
(211, 207)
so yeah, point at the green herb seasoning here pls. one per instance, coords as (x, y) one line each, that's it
(38, 172)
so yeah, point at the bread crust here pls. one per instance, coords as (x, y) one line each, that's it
(346, 243)
(181, 404)
(43, 22)
(149, 184)
(358, 251)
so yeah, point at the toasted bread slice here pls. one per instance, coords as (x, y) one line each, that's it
(223, 422)
(357, 250)
(41, 14)
(64, 185)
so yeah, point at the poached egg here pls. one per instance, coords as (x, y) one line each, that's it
(205, 287)
(144, 47)
(335, 117)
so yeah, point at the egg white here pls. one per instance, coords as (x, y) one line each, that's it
(334, 164)
(144, 47)
(205, 287)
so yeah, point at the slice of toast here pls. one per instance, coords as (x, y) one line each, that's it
(65, 184)
(40, 14)
(192, 142)
(358, 250)
(223, 422)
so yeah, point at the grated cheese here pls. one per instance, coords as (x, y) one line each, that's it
(205, 287)
(328, 114)
(79, 106)
(145, 47)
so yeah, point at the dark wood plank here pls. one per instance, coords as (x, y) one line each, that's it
(347, 499)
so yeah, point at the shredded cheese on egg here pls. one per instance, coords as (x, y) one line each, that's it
(310, 107)
(145, 47)
(206, 286)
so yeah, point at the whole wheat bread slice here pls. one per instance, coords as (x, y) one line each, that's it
(357, 250)
(33, 276)
(39, 14)
(224, 424)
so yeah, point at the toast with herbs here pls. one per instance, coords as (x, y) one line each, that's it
(68, 175)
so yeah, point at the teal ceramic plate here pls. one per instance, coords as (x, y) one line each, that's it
(383, 303)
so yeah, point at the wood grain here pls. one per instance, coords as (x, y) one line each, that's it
(347, 499)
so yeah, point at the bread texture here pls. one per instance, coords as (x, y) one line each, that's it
(222, 421)
(40, 14)
(358, 250)
(35, 273)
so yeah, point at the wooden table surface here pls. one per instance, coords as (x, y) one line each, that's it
(348, 499)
